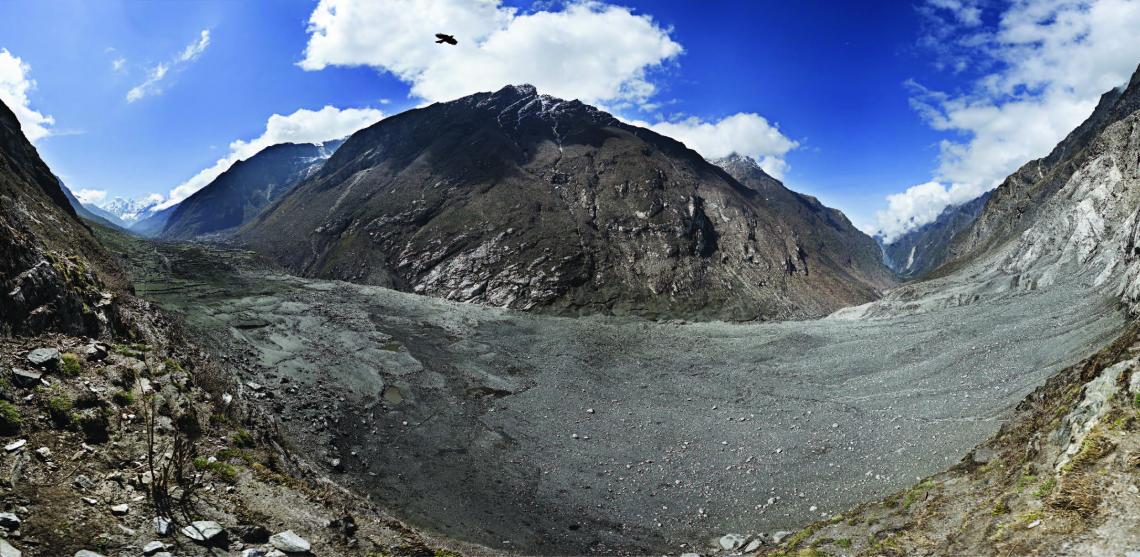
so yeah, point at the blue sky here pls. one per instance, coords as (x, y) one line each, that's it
(931, 101)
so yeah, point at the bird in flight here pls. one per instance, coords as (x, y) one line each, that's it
(441, 38)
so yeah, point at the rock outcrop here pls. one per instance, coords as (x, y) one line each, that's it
(522, 200)
(52, 270)
(242, 191)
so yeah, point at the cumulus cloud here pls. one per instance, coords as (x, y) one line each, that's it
(90, 197)
(1053, 60)
(919, 205)
(153, 83)
(744, 133)
(589, 51)
(15, 84)
(118, 64)
(302, 126)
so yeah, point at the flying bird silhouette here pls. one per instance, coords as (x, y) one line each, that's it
(441, 38)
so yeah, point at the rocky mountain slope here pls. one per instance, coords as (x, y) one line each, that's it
(927, 247)
(1015, 203)
(242, 191)
(51, 267)
(138, 443)
(523, 200)
(1061, 476)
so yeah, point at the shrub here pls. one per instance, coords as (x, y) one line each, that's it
(59, 409)
(243, 439)
(70, 365)
(123, 398)
(10, 418)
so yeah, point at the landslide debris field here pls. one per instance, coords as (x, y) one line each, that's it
(550, 435)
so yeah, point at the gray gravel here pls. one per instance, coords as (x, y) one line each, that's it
(556, 435)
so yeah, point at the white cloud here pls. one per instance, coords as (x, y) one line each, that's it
(588, 51)
(1053, 60)
(153, 83)
(919, 205)
(90, 197)
(743, 133)
(302, 126)
(118, 64)
(14, 86)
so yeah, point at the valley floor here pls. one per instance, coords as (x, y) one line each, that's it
(551, 435)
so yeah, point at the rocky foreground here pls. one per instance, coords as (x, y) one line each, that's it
(147, 447)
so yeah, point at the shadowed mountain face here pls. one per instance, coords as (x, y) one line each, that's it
(927, 247)
(527, 201)
(241, 192)
(95, 215)
(51, 267)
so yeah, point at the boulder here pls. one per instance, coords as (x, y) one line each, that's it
(44, 357)
(26, 378)
(9, 521)
(120, 510)
(6, 550)
(163, 526)
(203, 530)
(730, 542)
(289, 542)
(153, 547)
(95, 351)
(86, 553)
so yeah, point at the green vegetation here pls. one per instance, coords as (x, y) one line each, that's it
(10, 418)
(1046, 488)
(243, 439)
(226, 472)
(1136, 401)
(1025, 481)
(123, 398)
(844, 543)
(70, 365)
(917, 493)
(59, 409)
(1000, 508)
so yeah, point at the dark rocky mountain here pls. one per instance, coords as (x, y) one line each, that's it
(1014, 205)
(927, 247)
(523, 200)
(242, 191)
(832, 236)
(52, 270)
(153, 223)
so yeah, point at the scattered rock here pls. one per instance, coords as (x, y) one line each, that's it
(753, 546)
(86, 553)
(253, 534)
(162, 526)
(202, 530)
(289, 542)
(778, 537)
(44, 357)
(9, 521)
(253, 552)
(43, 452)
(85, 483)
(26, 378)
(730, 542)
(15, 445)
(6, 550)
(120, 510)
(95, 351)
(153, 547)
(983, 455)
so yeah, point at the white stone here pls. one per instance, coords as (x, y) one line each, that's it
(120, 509)
(289, 542)
(730, 542)
(6, 550)
(202, 530)
(153, 547)
(15, 445)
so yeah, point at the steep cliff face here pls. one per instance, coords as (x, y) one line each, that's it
(523, 200)
(1014, 205)
(52, 271)
(242, 191)
(927, 247)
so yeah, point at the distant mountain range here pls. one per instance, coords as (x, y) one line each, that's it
(527, 201)
(922, 250)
